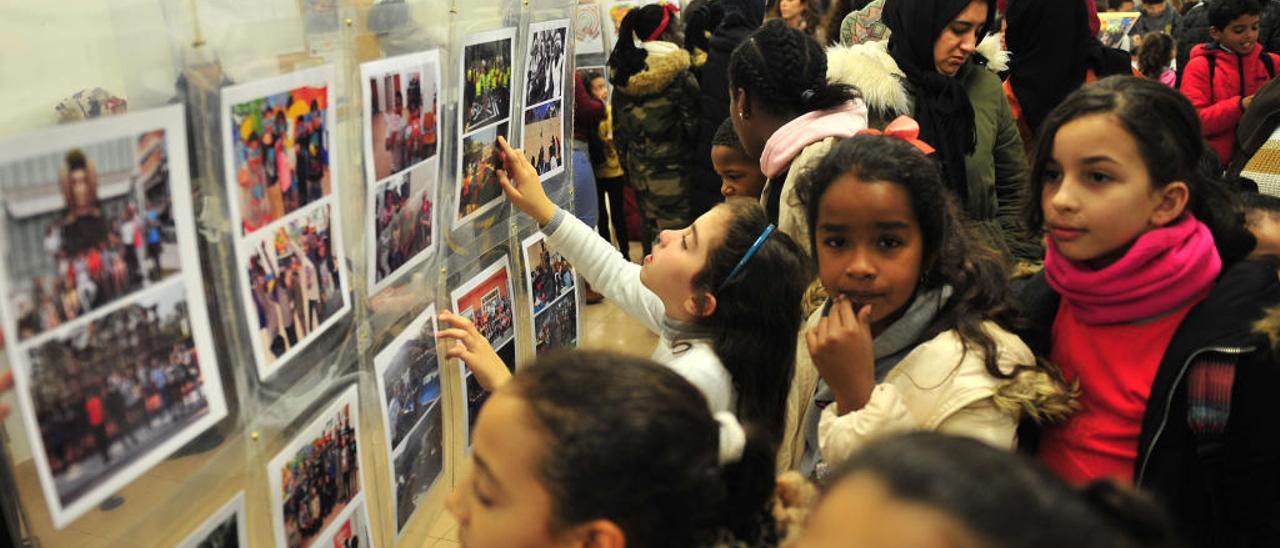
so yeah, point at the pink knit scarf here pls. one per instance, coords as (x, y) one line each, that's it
(790, 140)
(1165, 268)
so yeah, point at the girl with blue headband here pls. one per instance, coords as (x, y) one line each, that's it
(724, 295)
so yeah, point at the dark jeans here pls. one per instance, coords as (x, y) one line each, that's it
(613, 187)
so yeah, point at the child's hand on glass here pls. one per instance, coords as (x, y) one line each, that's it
(840, 346)
(526, 191)
(474, 350)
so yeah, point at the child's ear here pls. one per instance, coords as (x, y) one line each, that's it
(600, 533)
(742, 103)
(700, 305)
(1215, 34)
(1173, 201)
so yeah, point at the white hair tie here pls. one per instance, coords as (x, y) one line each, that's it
(733, 439)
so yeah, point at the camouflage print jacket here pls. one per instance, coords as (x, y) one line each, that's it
(655, 126)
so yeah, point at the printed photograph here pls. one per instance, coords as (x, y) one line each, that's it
(1115, 28)
(544, 138)
(588, 38)
(476, 395)
(486, 301)
(549, 275)
(402, 105)
(557, 326)
(354, 530)
(486, 77)
(279, 147)
(409, 376)
(402, 220)
(418, 464)
(317, 475)
(224, 529)
(544, 78)
(86, 226)
(295, 284)
(478, 189)
(108, 392)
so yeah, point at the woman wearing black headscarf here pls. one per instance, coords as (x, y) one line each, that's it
(962, 110)
(738, 19)
(1054, 53)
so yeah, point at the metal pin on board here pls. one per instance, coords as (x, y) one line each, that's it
(254, 435)
(349, 22)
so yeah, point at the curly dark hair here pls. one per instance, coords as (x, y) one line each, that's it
(1154, 54)
(977, 274)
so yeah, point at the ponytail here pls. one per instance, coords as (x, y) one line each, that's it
(645, 23)
(749, 484)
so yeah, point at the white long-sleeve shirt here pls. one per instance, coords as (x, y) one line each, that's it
(619, 280)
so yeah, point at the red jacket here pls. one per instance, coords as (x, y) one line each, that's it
(1234, 78)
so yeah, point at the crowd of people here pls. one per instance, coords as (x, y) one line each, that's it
(413, 385)
(320, 479)
(1046, 261)
(551, 275)
(293, 289)
(545, 78)
(122, 382)
(282, 160)
(488, 92)
(496, 319)
(410, 135)
(403, 228)
(557, 327)
(479, 176)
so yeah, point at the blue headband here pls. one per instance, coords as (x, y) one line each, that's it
(746, 257)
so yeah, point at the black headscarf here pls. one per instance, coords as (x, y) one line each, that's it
(1052, 48)
(942, 105)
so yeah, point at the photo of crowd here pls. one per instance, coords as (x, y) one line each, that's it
(544, 138)
(486, 301)
(110, 391)
(402, 221)
(319, 475)
(477, 395)
(280, 154)
(486, 93)
(478, 186)
(403, 108)
(410, 376)
(294, 283)
(110, 234)
(224, 529)
(549, 274)
(418, 465)
(544, 80)
(557, 327)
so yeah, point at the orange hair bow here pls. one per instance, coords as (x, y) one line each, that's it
(905, 128)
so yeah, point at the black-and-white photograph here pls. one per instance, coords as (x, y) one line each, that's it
(544, 80)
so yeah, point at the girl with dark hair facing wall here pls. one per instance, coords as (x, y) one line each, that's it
(788, 113)
(655, 113)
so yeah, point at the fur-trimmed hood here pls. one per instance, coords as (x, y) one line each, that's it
(664, 63)
(870, 68)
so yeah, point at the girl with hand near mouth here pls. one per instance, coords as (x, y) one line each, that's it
(915, 334)
(1146, 302)
(723, 294)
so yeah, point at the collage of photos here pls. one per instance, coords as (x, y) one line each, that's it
(401, 145)
(224, 529)
(409, 386)
(296, 286)
(551, 281)
(277, 139)
(484, 116)
(544, 95)
(315, 481)
(113, 359)
(486, 299)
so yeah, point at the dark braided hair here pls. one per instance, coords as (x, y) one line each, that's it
(726, 136)
(627, 59)
(785, 70)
